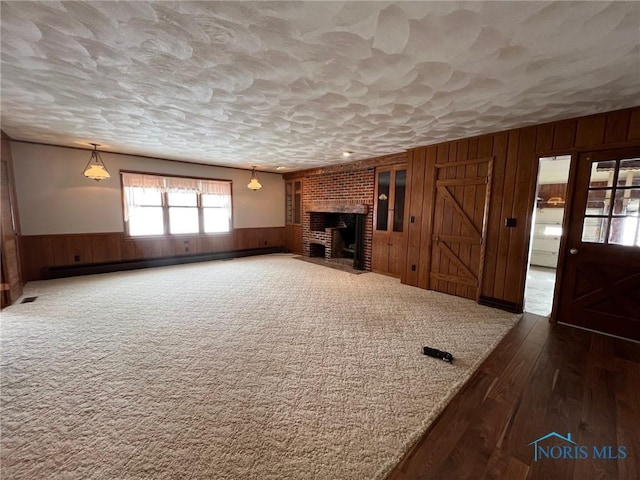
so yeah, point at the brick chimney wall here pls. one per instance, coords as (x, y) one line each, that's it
(356, 187)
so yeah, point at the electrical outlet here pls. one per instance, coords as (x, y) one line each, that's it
(76, 258)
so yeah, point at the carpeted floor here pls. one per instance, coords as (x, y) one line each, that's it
(255, 368)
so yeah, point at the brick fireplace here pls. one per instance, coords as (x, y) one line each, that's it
(336, 233)
(337, 201)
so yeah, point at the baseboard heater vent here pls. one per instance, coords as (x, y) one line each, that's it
(93, 268)
(501, 304)
(29, 300)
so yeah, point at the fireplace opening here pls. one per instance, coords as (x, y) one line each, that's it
(339, 237)
(343, 238)
(317, 250)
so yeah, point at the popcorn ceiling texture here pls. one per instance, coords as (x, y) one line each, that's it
(294, 84)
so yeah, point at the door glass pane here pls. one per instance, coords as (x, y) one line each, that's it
(297, 210)
(598, 202)
(629, 174)
(383, 200)
(594, 229)
(624, 231)
(146, 221)
(602, 173)
(183, 198)
(289, 200)
(183, 220)
(626, 201)
(398, 208)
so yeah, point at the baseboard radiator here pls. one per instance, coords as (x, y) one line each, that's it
(106, 267)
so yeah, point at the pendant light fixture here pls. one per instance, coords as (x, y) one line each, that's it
(254, 182)
(96, 169)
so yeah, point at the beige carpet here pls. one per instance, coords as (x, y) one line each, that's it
(255, 368)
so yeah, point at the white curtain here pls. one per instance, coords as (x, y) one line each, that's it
(215, 187)
(160, 184)
(140, 180)
(163, 184)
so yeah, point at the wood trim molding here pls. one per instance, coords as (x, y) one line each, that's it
(139, 155)
(358, 208)
(366, 164)
(501, 304)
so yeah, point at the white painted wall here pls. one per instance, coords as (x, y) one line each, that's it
(54, 197)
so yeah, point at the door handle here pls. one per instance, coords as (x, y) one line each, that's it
(573, 251)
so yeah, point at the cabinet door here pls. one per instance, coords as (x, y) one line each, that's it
(389, 241)
(297, 202)
(293, 211)
(289, 203)
(380, 252)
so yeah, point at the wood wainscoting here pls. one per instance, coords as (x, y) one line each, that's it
(41, 252)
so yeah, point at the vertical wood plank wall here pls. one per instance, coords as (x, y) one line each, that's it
(11, 284)
(513, 191)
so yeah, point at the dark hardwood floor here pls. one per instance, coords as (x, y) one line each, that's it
(542, 378)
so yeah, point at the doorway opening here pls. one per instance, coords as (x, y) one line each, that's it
(546, 232)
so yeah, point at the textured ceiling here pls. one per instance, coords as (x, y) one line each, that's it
(295, 84)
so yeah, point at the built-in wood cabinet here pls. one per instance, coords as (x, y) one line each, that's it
(389, 239)
(293, 210)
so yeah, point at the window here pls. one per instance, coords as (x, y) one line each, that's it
(612, 212)
(160, 205)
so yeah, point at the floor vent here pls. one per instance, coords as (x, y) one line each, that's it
(29, 300)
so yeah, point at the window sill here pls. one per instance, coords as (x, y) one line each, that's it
(176, 236)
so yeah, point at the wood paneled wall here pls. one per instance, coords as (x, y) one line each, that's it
(11, 282)
(515, 163)
(43, 251)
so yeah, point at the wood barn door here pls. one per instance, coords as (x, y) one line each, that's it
(460, 210)
(600, 281)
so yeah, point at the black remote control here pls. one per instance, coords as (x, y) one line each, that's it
(434, 352)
